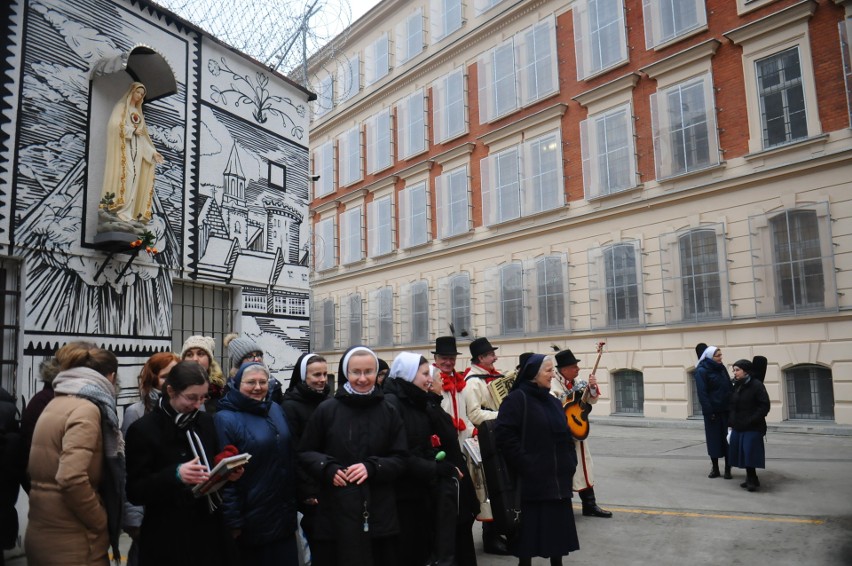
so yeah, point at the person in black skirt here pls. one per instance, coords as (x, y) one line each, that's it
(533, 435)
(747, 419)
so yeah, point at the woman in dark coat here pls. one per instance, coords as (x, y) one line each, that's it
(354, 446)
(260, 508)
(534, 438)
(170, 450)
(747, 419)
(308, 388)
(419, 489)
(714, 393)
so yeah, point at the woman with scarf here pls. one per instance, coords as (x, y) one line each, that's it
(77, 464)
(747, 420)
(151, 381)
(354, 447)
(308, 388)
(260, 508)
(713, 386)
(533, 435)
(170, 450)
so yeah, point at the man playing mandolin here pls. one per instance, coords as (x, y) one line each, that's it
(578, 398)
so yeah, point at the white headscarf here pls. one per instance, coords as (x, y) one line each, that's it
(405, 366)
(708, 353)
(344, 368)
(303, 366)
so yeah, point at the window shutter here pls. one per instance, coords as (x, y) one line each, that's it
(589, 148)
(436, 17)
(485, 74)
(406, 322)
(441, 208)
(651, 17)
(439, 109)
(581, 47)
(488, 180)
(661, 131)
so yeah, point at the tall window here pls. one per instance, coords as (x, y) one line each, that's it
(324, 245)
(600, 37)
(542, 161)
(380, 222)
(460, 304)
(550, 293)
(419, 312)
(325, 96)
(810, 392)
(511, 299)
(799, 278)
(446, 17)
(683, 120)
(666, 20)
(382, 314)
(203, 308)
(411, 125)
(325, 340)
(782, 98)
(409, 37)
(498, 88)
(324, 167)
(453, 202)
(377, 60)
(694, 402)
(10, 277)
(349, 148)
(351, 238)
(413, 216)
(700, 277)
(379, 142)
(448, 106)
(629, 392)
(351, 320)
(609, 157)
(614, 282)
(349, 77)
(501, 186)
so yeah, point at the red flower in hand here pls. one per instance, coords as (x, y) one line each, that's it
(228, 451)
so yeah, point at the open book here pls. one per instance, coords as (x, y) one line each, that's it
(219, 474)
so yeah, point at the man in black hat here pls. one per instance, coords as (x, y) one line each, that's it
(568, 367)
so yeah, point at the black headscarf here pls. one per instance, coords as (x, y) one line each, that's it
(530, 370)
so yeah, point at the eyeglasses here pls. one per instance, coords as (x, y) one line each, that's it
(256, 383)
(361, 373)
(253, 356)
(195, 398)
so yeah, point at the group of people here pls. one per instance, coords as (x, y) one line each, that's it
(734, 413)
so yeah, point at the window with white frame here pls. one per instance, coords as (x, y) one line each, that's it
(453, 202)
(460, 316)
(683, 120)
(413, 216)
(600, 36)
(377, 59)
(538, 72)
(324, 245)
(324, 167)
(325, 96)
(782, 98)
(446, 17)
(411, 124)
(810, 392)
(351, 239)
(349, 157)
(666, 20)
(349, 78)
(380, 226)
(351, 319)
(498, 86)
(501, 186)
(511, 280)
(793, 260)
(409, 37)
(379, 142)
(550, 289)
(615, 288)
(449, 106)
(542, 173)
(609, 155)
(629, 391)
(382, 316)
(415, 312)
(846, 51)
(482, 6)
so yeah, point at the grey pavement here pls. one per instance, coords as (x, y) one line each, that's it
(653, 477)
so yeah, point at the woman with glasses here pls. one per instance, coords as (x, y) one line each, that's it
(170, 450)
(260, 508)
(200, 349)
(354, 447)
(241, 350)
(713, 385)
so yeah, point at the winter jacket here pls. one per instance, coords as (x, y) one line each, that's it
(299, 403)
(178, 529)
(262, 502)
(713, 385)
(749, 406)
(351, 429)
(545, 459)
(67, 520)
(12, 469)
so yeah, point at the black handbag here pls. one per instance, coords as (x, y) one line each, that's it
(502, 483)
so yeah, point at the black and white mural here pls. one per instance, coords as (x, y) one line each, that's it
(217, 164)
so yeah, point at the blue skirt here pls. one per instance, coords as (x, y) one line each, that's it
(715, 431)
(547, 529)
(747, 450)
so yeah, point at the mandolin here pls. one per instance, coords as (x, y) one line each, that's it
(577, 413)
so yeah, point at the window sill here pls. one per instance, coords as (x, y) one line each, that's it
(685, 35)
(789, 146)
(599, 198)
(601, 72)
(690, 174)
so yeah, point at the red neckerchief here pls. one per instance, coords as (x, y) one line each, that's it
(453, 384)
(491, 376)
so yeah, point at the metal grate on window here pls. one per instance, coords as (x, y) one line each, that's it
(203, 309)
(810, 393)
(629, 392)
(10, 323)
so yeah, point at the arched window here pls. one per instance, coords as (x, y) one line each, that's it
(629, 392)
(810, 392)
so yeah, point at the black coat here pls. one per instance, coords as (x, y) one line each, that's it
(299, 403)
(749, 406)
(546, 459)
(713, 385)
(346, 430)
(177, 528)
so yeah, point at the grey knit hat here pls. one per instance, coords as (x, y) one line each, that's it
(239, 347)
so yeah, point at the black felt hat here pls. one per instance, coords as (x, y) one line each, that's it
(480, 346)
(445, 346)
(566, 358)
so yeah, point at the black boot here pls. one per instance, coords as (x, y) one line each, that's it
(728, 475)
(492, 542)
(714, 471)
(752, 483)
(590, 507)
